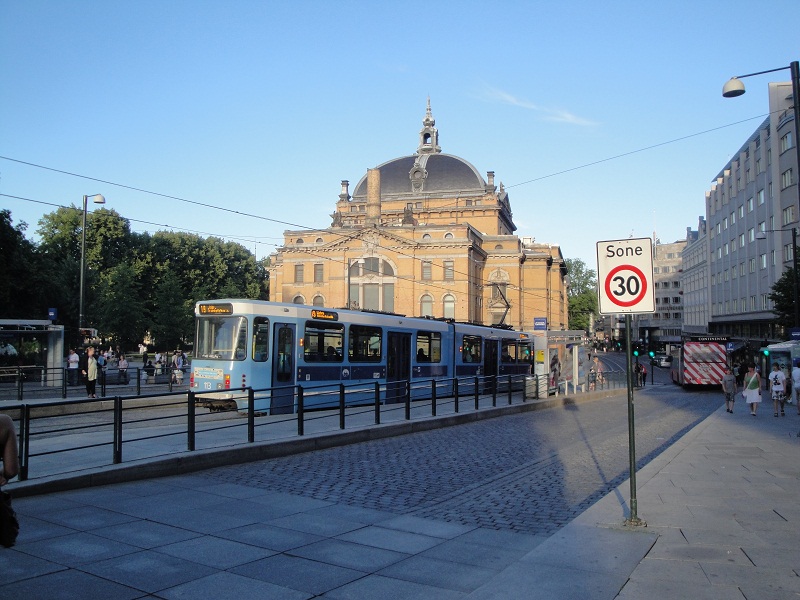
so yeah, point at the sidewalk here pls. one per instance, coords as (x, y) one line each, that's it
(722, 507)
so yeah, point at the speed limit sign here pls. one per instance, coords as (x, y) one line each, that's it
(625, 276)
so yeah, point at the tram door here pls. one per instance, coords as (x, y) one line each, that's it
(283, 369)
(490, 359)
(398, 366)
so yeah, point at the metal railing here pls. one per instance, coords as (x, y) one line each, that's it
(159, 424)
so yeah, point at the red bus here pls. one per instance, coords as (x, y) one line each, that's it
(701, 360)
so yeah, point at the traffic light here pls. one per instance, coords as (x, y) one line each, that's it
(766, 351)
(636, 353)
(652, 354)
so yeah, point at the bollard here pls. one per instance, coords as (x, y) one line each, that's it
(251, 415)
(408, 399)
(190, 408)
(477, 393)
(301, 411)
(455, 392)
(377, 403)
(24, 444)
(509, 390)
(117, 454)
(433, 397)
(341, 406)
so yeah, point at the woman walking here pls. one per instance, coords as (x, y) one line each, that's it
(90, 372)
(752, 388)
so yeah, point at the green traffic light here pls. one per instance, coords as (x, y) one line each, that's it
(652, 354)
(766, 352)
(636, 353)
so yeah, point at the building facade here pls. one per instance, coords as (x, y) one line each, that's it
(695, 281)
(755, 193)
(663, 327)
(425, 235)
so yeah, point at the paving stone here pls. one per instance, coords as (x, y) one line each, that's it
(299, 573)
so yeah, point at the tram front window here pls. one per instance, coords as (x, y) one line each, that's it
(221, 338)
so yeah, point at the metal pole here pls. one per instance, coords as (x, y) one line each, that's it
(794, 260)
(634, 517)
(83, 268)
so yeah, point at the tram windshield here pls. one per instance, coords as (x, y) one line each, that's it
(221, 338)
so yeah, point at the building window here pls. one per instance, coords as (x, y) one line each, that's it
(298, 273)
(751, 234)
(752, 302)
(762, 226)
(763, 260)
(426, 306)
(741, 269)
(676, 315)
(318, 301)
(786, 141)
(449, 306)
(752, 265)
(786, 179)
(449, 271)
(448, 236)
(741, 240)
(676, 299)
(318, 273)
(758, 165)
(741, 211)
(760, 196)
(749, 205)
(665, 300)
(733, 217)
(788, 253)
(787, 216)
(426, 270)
(747, 176)
(764, 302)
(298, 300)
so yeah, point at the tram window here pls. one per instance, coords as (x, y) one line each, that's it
(322, 342)
(221, 338)
(429, 346)
(365, 343)
(260, 339)
(508, 354)
(471, 348)
(283, 372)
(525, 352)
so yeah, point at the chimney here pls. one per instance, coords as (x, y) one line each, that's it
(373, 198)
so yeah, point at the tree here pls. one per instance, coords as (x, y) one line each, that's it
(173, 316)
(582, 294)
(21, 292)
(121, 311)
(782, 297)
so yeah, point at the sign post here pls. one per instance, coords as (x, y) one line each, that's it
(625, 286)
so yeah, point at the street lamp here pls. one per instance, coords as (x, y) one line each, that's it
(762, 235)
(97, 199)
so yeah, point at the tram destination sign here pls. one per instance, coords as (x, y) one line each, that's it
(625, 276)
(216, 309)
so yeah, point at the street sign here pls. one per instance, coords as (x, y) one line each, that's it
(625, 276)
(540, 323)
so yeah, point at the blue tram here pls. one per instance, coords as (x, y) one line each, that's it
(276, 347)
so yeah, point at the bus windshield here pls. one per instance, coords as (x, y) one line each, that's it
(221, 338)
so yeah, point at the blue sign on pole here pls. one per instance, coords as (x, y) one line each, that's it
(52, 314)
(794, 333)
(540, 323)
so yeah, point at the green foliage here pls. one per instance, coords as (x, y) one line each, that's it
(582, 294)
(782, 297)
(135, 283)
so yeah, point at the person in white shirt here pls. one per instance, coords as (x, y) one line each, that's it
(777, 381)
(72, 367)
(796, 384)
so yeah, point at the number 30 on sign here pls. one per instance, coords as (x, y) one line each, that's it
(625, 276)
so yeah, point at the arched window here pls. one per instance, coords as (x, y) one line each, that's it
(319, 240)
(449, 306)
(498, 247)
(427, 236)
(426, 306)
(318, 301)
(298, 241)
(371, 284)
(448, 236)
(298, 300)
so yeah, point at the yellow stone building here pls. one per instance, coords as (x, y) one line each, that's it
(425, 235)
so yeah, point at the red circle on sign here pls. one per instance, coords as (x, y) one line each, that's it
(616, 270)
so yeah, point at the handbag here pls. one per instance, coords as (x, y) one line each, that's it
(9, 526)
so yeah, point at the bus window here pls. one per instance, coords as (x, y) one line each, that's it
(322, 342)
(471, 348)
(221, 338)
(508, 354)
(260, 339)
(429, 346)
(365, 343)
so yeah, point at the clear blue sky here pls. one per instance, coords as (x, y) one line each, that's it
(264, 107)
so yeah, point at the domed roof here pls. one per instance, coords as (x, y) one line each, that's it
(425, 173)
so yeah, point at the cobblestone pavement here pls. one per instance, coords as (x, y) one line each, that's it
(529, 473)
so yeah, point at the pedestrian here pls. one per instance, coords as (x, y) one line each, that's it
(796, 384)
(89, 371)
(123, 369)
(729, 389)
(777, 385)
(644, 375)
(752, 388)
(73, 361)
(145, 358)
(8, 450)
